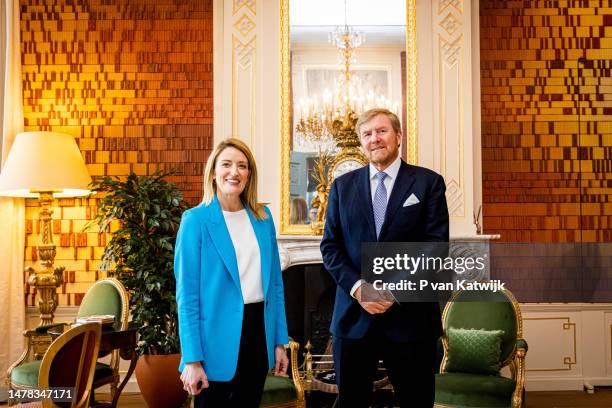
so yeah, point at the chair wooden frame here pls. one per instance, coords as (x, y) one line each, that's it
(85, 369)
(515, 360)
(38, 341)
(125, 311)
(300, 402)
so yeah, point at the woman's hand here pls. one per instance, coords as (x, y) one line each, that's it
(281, 362)
(194, 378)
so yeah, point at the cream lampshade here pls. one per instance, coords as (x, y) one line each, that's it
(44, 165)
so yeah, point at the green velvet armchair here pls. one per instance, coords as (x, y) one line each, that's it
(104, 297)
(285, 392)
(483, 332)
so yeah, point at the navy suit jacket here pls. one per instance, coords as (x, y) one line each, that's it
(350, 221)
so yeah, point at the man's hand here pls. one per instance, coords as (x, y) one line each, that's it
(370, 300)
(281, 362)
(194, 378)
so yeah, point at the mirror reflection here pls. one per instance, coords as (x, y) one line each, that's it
(346, 56)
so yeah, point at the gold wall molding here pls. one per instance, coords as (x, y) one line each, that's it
(454, 196)
(237, 5)
(569, 361)
(450, 24)
(244, 25)
(411, 83)
(451, 51)
(456, 4)
(285, 97)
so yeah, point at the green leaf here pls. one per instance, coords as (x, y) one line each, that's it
(149, 212)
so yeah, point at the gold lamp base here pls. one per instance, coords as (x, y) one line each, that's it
(47, 279)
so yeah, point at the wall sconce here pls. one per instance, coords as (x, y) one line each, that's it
(45, 165)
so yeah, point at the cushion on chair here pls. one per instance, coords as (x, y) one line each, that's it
(26, 374)
(102, 298)
(278, 390)
(487, 311)
(473, 351)
(473, 390)
(102, 371)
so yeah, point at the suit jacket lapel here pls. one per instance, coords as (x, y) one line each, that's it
(222, 240)
(401, 188)
(362, 198)
(265, 250)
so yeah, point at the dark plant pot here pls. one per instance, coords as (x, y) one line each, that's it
(159, 380)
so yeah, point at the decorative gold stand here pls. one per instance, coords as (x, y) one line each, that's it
(47, 279)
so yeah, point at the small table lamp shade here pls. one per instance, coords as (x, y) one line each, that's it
(44, 161)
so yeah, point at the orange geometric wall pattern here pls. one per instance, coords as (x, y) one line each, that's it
(547, 119)
(132, 81)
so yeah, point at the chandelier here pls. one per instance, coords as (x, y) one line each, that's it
(327, 121)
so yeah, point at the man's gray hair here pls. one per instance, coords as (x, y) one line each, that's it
(371, 113)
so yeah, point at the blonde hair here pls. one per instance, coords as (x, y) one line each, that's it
(299, 211)
(249, 194)
(370, 114)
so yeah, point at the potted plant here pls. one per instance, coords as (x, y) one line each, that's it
(143, 214)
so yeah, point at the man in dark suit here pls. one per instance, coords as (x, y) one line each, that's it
(388, 200)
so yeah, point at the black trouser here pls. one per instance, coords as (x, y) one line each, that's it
(246, 388)
(410, 367)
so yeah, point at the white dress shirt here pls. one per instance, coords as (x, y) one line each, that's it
(247, 254)
(389, 181)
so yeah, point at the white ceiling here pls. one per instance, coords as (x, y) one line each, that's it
(383, 21)
(359, 12)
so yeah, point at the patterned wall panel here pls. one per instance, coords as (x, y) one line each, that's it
(451, 79)
(132, 81)
(244, 49)
(547, 119)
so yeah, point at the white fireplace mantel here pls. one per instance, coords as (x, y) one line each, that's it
(304, 249)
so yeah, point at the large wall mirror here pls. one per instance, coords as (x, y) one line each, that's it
(338, 59)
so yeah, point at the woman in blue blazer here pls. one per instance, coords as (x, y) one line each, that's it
(230, 298)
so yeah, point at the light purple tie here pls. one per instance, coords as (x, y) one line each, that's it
(380, 201)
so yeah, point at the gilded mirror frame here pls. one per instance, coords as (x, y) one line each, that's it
(286, 107)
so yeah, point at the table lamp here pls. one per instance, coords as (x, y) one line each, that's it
(45, 165)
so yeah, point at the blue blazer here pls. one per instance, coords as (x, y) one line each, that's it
(208, 293)
(350, 221)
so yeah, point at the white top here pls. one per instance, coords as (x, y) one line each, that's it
(247, 254)
(389, 181)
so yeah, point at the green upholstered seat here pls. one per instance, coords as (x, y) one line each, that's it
(473, 390)
(104, 297)
(68, 362)
(278, 390)
(26, 375)
(285, 392)
(490, 311)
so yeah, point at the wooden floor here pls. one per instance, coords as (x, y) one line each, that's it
(550, 399)
(602, 398)
(557, 399)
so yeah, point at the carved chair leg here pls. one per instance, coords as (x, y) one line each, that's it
(113, 387)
